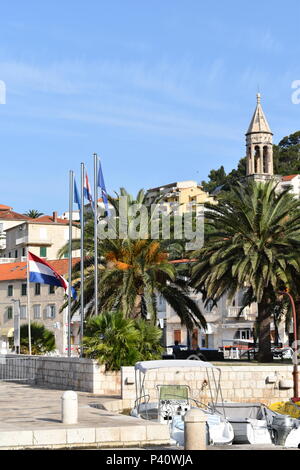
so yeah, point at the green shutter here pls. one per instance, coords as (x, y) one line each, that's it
(43, 251)
(9, 313)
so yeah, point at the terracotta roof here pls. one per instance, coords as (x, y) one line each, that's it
(17, 271)
(3, 207)
(10, 215)
(48, 219)
(288, 177)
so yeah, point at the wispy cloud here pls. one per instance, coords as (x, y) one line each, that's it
(181, 82)
(163, 98)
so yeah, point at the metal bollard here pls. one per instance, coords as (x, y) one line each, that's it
(69, 407)
(195, 430)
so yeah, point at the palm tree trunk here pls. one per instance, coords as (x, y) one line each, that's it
(276, 340)
(264, 336)
(137, 308)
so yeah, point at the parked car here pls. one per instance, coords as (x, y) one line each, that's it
(282, 353)
(278, 353)
(182, 351)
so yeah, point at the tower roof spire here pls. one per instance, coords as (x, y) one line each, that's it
(259, 121)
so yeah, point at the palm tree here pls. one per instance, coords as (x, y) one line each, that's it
(33, 213)
(132, 272)
(150, 343)
(254, 243)
(42, 339)
(117, 341)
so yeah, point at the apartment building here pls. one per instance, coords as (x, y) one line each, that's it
(8, 219)
(44, 307)
(43, 236)
(225, 324)
(184, 195)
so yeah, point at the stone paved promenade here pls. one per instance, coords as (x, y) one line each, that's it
(31, 417)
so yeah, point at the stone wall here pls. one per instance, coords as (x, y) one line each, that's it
(266, 384)
(84, 375)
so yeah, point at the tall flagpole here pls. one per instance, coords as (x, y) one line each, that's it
(28, 305)
(96, 230)
(81, 260)
(71, 189)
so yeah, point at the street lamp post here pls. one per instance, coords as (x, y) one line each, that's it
(295, 348)
(16, 324)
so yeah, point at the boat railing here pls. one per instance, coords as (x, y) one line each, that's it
(138, 401)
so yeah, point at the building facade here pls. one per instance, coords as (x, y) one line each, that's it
(45, 303)
(8, 219)
(44, 237)
(183, 196)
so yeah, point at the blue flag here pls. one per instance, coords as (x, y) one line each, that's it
(76, 196)
(101, 185)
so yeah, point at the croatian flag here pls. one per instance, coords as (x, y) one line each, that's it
(40, 271)
(87, 190)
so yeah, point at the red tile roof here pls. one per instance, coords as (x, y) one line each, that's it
(3, 207)
(10, 215)
(17, 271)
(288, 177)
(48, 219)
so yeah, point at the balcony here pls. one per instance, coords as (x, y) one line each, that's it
(29, 241)
(234, 312)
(21, 240)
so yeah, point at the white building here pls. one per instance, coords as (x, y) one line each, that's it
(8, 219)
(291, 182)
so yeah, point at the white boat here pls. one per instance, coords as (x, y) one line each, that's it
(251, 422)
(173, 401)
(255, 423)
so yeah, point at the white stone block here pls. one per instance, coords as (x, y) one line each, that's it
(45, 437)
(81, 435)
(16, 438)
(158, 432)
(132, 433)
(108, 434)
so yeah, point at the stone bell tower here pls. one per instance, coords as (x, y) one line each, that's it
(259, 144)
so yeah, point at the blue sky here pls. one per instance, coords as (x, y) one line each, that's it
(161, 90)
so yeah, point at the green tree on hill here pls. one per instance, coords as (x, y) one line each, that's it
(286, 156)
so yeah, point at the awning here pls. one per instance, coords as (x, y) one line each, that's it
(179, 364)
(9, 332)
